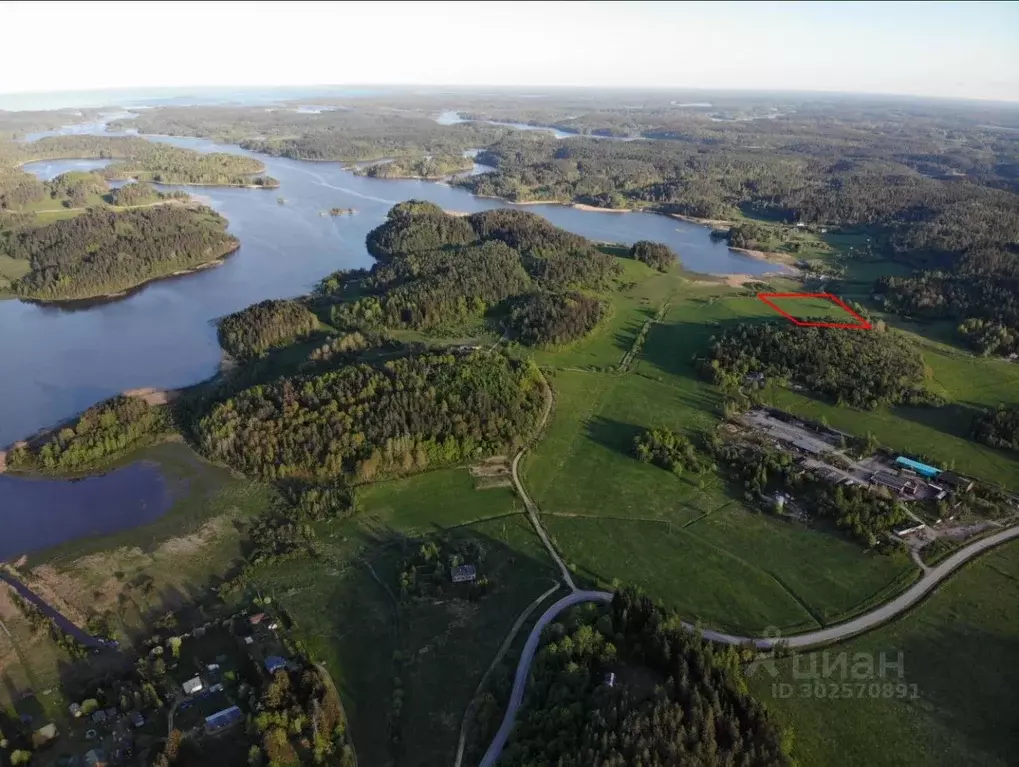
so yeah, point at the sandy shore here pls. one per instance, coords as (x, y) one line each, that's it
(715, 223)
(595, 209)
(785, 259)
(153, 396)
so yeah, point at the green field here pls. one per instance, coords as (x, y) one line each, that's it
(958, 649)
(690, 539)
(348, 611)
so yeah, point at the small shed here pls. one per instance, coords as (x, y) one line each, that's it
(75, 709)
(256, 618)
(463, 573)
(192, 686)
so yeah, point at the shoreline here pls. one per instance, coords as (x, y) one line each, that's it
(134, 177)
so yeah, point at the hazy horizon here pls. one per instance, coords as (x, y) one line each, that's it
(928, 50)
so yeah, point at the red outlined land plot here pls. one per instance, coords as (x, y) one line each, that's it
(859, 322)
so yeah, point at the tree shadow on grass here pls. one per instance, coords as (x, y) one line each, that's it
(615, 435)
(671, 347)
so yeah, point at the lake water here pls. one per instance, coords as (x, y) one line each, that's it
(40, 513)
(48, 170)
(55, 361)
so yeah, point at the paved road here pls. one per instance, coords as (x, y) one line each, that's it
(63, 623)
(885, 612)
(524, 667)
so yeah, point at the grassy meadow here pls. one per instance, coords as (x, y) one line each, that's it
(958, 655)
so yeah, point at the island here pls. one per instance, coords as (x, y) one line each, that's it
(431, 167)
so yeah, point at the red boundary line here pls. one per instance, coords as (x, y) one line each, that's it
(861, 323)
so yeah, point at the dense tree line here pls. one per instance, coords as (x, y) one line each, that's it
(998, 428)
(654, 254)
(543, 318)
(364, 421)
(764, 473)
(102, 432)
(253, 331)
(862, 369)
(668, 450)
(430, 167)
(981, 293)
(104, 251)
(438, 270)
(695, 711)
(141, 193)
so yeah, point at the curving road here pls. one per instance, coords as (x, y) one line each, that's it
(524, 667)
(931, 578)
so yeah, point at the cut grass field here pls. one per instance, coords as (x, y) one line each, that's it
(958, 649)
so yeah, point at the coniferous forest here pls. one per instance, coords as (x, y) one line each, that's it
(253, 331)
(628, 685)
(544, 318)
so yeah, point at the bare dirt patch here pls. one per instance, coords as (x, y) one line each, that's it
(492, 472)
(109, 580)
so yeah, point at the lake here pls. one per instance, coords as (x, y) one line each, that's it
(41, 513)
(55, 361)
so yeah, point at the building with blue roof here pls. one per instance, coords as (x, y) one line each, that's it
(920, 468)
(223, 719)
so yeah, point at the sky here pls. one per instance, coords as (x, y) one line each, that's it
(952, 50)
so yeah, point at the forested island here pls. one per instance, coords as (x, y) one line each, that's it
(433, 167)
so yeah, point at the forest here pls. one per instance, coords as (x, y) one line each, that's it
(438, 271)
(103, 251)
(102, 432)
(981, 293)
(628, 685)
(365, 422)
(548, 319)
(430, 167)
(861, 369)
(998, 428)
(134, 158)
(253, 331)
